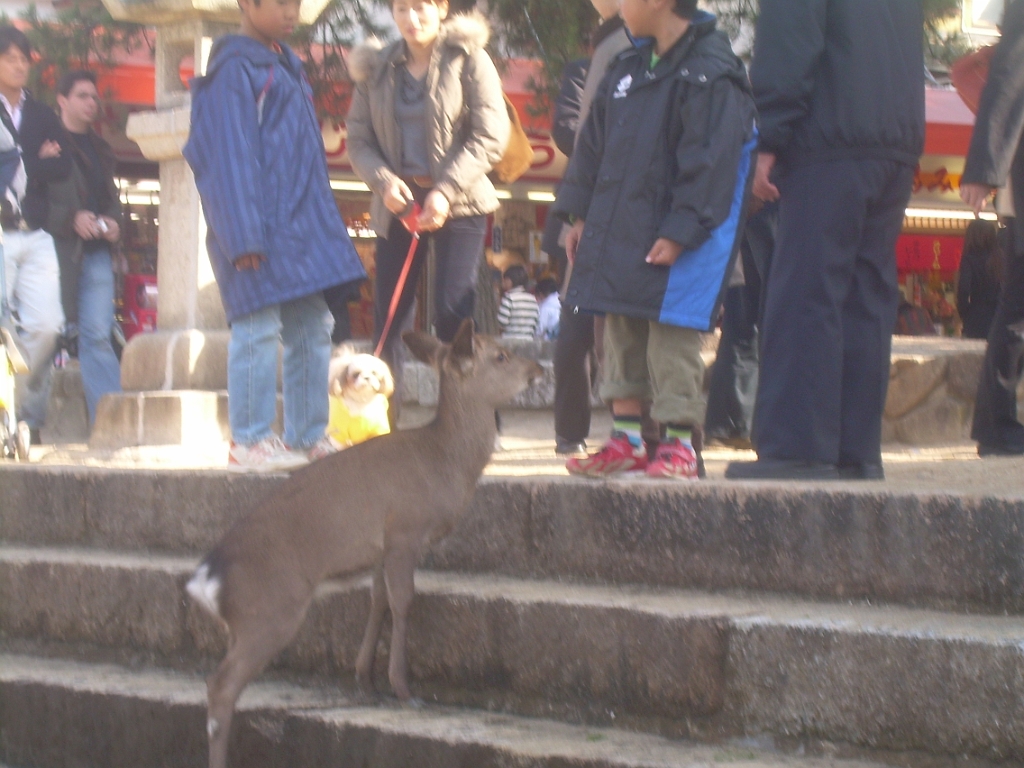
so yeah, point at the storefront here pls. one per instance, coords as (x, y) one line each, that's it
(928, 252)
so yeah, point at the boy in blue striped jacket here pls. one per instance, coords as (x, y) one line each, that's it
(276, 239)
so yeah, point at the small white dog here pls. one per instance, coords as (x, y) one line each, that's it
(359, 386)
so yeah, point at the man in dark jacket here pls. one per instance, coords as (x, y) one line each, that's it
(32, 274)
(839, 86)
(995, 157)
(85, 221)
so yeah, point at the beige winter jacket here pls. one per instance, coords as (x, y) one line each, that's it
(467, 125)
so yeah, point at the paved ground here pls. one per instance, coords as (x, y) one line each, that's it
(528, 443)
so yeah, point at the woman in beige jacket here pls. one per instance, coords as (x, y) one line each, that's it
(427, 123)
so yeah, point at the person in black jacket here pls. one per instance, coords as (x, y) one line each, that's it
(30, 259)
(995, 157)
(839, 87)
(979, 278)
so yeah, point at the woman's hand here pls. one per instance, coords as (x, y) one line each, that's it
(397, 196)
(435, 211)
(572, 239)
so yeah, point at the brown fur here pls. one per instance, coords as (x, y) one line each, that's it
(332, 519)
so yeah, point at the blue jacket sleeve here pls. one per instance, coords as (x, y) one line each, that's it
(226, 159)
(789, 42)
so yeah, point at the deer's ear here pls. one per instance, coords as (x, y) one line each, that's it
(462, 344)
(424, 346)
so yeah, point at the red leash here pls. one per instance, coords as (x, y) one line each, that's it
(411, 223)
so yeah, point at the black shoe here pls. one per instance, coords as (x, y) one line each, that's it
(565, 447)
(781, 469)
(861, 472)
(998, 450)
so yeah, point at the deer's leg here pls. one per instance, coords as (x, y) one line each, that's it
(368, 649)
(399, 567)
(252, 648)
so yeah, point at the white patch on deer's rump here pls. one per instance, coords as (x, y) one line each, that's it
(205, 590)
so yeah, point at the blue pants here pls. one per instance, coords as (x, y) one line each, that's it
(101, 371)
(830, 311)
(304, 325)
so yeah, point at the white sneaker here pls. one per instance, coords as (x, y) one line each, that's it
(321, 448)
(268, 455)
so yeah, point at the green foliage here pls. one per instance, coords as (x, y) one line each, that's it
(81, 35)
(553, 32)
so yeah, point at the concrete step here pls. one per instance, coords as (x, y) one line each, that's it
(60, 713)
(841, 541)
(680, 663)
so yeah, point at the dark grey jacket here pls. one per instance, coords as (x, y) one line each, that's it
(840, 79)
(996, 141)
(663, 153)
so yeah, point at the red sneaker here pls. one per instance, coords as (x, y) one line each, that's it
(618, 455)
(674, 459)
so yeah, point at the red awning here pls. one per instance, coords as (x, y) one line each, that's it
(950, 123)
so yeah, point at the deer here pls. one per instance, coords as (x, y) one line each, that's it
(373, 508)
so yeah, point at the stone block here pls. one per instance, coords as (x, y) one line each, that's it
(964, 373)
(911, 381)
(67, 416)
(166, 360)
(158, 418)
(938, 419)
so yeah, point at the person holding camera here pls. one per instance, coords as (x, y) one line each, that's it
(84, 219)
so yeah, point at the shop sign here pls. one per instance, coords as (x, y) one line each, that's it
(937, 181)
(548, 163)
(928, 253)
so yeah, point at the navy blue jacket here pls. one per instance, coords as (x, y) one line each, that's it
(840, 79)
(261, 169)
(666, 153)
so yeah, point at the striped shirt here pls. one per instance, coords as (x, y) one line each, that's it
(518, 314)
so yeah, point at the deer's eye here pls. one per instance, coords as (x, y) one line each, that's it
(503, 357)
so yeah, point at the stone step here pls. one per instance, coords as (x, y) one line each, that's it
(59, 713)
(840, 541)
(681, 663)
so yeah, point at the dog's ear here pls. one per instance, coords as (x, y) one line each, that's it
(387, 381)
(337, 370)
(424, 346)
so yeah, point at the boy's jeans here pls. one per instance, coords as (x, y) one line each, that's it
(304, 325)
(101, 371)
(33, 292)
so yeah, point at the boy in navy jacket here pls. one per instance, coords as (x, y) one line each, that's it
(656, 187)
(276, 239)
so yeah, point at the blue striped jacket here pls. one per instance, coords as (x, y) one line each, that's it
(258, 157)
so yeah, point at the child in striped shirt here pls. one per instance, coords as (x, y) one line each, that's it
(518, 313)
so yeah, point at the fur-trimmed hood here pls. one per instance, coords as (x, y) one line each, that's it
(468, 31)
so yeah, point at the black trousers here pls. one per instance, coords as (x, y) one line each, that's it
(733, 386)
(830, 310)
(997, 423)
(573, 351)
(457, 246)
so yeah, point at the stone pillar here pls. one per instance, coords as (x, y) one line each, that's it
(175, 378)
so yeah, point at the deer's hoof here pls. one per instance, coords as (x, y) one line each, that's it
(413, 702)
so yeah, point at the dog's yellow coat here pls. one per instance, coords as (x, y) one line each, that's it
(347, 428)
